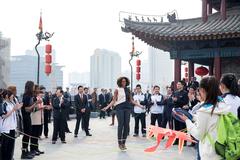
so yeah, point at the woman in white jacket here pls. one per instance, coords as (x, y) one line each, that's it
(207, 117)
(230, 91)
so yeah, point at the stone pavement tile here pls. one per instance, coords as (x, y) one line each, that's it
(103, 146)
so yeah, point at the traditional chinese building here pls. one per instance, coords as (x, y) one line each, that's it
(212, 40)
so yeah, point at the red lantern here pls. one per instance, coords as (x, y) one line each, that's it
(48, 69)
(48, 48)
(138, 69)
(201, 71)
(186, 75)
(48, 58)
(138, 76)
(138, 62)
(186, 69)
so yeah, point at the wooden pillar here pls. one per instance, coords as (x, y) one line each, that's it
(217, 67)
(223, 9)
(209, 8)
(190, 69)
(177, 71)
(210, 70)
(204, 10)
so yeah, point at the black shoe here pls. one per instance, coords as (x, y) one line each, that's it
(26, 155)
(68, 132)
(53, 142)
(135, 135)
(89, 134)
(35, 153)
(75, 136)
(64, 142)
(40, 152)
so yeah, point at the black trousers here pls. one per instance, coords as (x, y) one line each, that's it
(27, 128)
(8, 144)
(179, 125)
(123, 117)
(84, 118)
(36, 132)
(59, 126)
(87, 120)
(45, 123)
(167, 119)
(156, 117)
(142, 118)
(102, 114)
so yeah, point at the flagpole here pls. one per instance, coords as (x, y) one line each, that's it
(41, 36)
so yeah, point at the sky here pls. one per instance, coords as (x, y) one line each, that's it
(82, 26)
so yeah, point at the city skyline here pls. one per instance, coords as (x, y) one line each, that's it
(81, 27)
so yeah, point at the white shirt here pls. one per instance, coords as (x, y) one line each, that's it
(121, 96)
(156, 109)
(233, 102)
(10, 122)
(138, 98)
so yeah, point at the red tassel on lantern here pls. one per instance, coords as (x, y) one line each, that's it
(48, 58)
(48, 69)
(186, 75)
(48, 48)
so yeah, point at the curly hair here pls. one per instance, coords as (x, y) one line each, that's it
(119, 81)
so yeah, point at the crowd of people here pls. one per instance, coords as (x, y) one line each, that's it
(31, 117)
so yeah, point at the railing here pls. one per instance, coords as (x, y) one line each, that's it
(169, 17)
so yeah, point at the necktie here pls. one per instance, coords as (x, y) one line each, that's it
(104, 98)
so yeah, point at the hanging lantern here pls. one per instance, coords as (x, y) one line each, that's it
(186, 69)
(138, 62)
(48, 69)
(186, 75)
(201, 71)
(48, 58)
(138, 76)
(138, 69)
(48, 48)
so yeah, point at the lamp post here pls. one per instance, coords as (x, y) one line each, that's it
(133, 54)
(41, 36)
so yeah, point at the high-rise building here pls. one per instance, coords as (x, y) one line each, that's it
(160, 68)
(76, 78)
(24, 68)
(5, 45)
(105, 68)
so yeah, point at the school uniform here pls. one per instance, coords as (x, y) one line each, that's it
(140, 113)
(233, 102)
(8, 126)
(156, 109)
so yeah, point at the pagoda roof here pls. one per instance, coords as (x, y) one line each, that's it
(188, 29)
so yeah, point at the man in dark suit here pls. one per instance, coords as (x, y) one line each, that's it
(180, 99)
(59, 116)
(103, 102)
(82, 110)
(88, 108)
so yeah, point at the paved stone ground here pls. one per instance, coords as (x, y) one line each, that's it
(103, 146)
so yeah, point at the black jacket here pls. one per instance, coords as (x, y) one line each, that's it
(103, 103)
(80, 103)
(182, 98)
(59, 109)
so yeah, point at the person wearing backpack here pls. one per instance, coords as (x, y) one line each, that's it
(230, 92)
(207, 118)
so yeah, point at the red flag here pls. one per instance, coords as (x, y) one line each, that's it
(40, 27)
